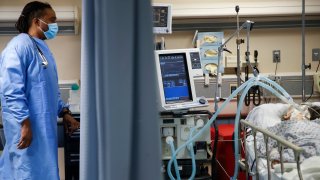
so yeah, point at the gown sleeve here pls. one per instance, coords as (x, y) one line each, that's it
(61, 103)
(13, 70)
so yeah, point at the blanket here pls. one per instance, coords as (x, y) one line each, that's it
(303, 133)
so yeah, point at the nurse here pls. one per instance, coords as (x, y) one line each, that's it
(30, 98)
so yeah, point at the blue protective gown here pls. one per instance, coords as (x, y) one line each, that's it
(28, 90)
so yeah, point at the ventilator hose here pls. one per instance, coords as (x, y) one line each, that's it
(247, 85)
(173, 155)
(191, 152)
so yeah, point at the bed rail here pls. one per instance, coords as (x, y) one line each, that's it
(281, 144)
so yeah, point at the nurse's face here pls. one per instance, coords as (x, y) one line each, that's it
(48, 17)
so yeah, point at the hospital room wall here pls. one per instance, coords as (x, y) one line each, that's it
(65, 48)
(288, 41)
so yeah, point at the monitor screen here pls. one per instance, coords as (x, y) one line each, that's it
(162, 18)
(175, 78)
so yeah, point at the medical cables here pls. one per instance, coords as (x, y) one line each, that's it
(261, 81)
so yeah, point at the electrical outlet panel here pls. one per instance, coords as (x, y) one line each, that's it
(316, 54)
(276, 56)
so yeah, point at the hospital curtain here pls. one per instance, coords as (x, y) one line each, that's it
(120, 137)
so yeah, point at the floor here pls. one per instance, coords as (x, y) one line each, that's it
(61, 163)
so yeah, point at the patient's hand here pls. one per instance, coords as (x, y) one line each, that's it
(287, 115)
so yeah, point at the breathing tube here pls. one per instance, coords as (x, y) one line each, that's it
(191, 152)
(169, 141)
(265, 83)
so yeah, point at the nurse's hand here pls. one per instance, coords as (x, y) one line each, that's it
(26, 135)
(70, 123)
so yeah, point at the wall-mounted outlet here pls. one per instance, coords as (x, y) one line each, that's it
(276, 56)
(316, 54)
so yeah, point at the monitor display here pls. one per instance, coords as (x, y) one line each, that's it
(175, 78)
(160, 16)
(162, 19)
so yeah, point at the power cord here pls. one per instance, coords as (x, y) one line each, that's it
(275, 71)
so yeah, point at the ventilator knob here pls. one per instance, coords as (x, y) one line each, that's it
(202, 101)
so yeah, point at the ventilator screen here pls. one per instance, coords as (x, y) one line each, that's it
(175, 78)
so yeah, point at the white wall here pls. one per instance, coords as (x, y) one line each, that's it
(65, 48)
(207, 8)
(289, 41)
(265, 41)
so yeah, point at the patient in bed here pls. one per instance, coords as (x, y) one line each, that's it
(300, 128)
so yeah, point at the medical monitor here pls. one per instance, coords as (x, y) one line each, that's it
(162, 19)
(175, 80)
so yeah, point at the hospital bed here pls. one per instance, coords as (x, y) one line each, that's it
(262, 144)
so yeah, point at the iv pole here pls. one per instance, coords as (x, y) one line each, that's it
(238, 41)
(303, 67)
(220, 49)
(248, 24)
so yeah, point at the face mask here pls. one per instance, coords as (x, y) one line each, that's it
(52, 30)
(300, 115)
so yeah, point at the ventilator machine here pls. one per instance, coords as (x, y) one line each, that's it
(179, 111)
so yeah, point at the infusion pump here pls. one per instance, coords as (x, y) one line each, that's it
(179, 127)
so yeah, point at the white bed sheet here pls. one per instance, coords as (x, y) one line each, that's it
(310, 169)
